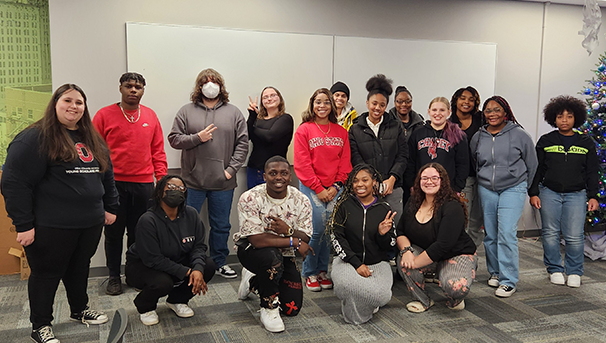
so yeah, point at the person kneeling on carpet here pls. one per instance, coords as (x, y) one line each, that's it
(275, 222)
(169, 253)
(431, 236)
(362, 235)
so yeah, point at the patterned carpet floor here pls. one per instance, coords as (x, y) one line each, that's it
(537, 312)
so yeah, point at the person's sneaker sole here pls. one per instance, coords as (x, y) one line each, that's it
(244, 289)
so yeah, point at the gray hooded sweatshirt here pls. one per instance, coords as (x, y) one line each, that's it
(203, 165)
(505, 159)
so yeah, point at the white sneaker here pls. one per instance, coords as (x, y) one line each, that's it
(493, 281)
(149, 318)
(181, 310)
(574, 281)
(504, 291)
(270, 318)
(227, 272)
(557, 278)
(244, 289)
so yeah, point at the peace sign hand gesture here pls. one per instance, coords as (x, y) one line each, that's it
(387, 223)
(252, 105)
(207, 134)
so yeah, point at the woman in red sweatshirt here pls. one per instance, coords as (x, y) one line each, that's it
(322, 162)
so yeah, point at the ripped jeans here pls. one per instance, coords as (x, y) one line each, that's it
(277, 279)
(319, 242)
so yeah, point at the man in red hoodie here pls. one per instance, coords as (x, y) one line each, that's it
(134, 136)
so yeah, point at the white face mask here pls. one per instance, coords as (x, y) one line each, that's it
(210, 90)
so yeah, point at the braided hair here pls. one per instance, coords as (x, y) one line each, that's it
(348, 188)
(503, 103)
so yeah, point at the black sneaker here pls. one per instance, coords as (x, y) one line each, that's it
(504, 291)
(89, 316)
(114, 286)
(44, 335)
(227, 272)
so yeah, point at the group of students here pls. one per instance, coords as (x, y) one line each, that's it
(447, 186)
(415, 187)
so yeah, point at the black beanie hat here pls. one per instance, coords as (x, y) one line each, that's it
(340, 87)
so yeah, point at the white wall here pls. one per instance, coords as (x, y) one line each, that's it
(88, 44)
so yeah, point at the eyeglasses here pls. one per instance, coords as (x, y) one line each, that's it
(496, 110)
(400, 102)
(173, 187)
(270, 96)
(325, 103)
(433, 179)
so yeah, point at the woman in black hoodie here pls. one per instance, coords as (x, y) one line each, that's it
(362, 234)
(439, 141)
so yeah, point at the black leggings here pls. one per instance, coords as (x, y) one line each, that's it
(275, 275)
(155, 284)
(59, 254)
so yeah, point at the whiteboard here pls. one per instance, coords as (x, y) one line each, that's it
(171, 56)
(427, 68)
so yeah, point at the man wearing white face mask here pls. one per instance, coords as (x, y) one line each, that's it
(213, 139)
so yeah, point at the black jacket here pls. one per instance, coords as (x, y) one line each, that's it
(57, 194)
(170, 246)
(355, 235)
(427, 145)
(565, 171)
(388, 152)
(416, 121)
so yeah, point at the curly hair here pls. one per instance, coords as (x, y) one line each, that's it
(158, 193)
(559, 104)
(379, 84)
(281, 107)
(205, 76)
(457, 95)
(348, 188)
(130, 76)
(444, 194)
(309, 115)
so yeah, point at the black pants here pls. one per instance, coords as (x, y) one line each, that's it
(275, 276)
(59, 254)
(134, 198)
(155, 284)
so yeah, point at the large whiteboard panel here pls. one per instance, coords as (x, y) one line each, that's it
(170, 57)
(427, 68)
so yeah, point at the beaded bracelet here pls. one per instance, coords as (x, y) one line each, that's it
(298, 246)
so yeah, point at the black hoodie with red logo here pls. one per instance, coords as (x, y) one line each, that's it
(427, 145)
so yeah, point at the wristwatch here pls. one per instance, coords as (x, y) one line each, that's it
(291, 231)
(403, 251)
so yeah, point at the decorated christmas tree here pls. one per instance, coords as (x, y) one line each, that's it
(595, 127)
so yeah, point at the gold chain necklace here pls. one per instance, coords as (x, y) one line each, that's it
(325, 133)
(131, 118)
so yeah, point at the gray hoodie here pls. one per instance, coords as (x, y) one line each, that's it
(203, 164)
(504, 160)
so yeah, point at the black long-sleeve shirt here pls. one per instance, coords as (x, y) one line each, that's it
(68, 195)
(270, 137)
(443, 236)
(170, 246)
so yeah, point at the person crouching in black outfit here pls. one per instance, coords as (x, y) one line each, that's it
(169, 253)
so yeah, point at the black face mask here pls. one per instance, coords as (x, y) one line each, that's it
(173, 197)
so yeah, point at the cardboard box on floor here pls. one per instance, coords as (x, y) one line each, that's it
(9, 264)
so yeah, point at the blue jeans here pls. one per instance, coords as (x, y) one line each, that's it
(319, 242)
(502, 210)
(563, 213)
(219, 208)
(254, 177)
